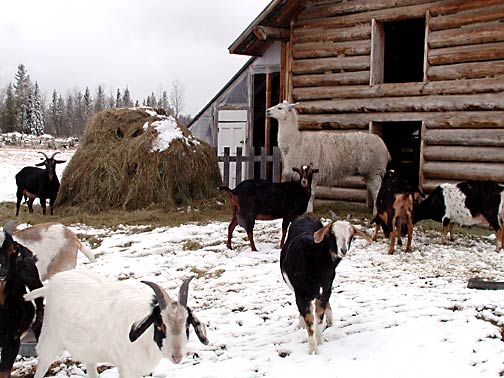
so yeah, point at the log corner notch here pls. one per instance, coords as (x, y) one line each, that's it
(266, 32)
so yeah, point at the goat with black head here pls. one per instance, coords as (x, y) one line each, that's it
(17, 271)
(33, 182)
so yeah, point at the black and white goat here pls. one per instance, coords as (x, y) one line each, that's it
(33, 182)
(467, 203)
(253, 200)
(308, 262)
(394, 205)
(98, 320)
(17, 271)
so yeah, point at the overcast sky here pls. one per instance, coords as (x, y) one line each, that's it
(145, 45)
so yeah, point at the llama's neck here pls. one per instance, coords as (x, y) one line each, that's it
(288, 133)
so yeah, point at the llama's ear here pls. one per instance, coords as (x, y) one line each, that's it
(334, 217)
(319, 235)
(292, 106)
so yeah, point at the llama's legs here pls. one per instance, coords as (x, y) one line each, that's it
(373, 184)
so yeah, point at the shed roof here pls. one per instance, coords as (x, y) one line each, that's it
(278, 14)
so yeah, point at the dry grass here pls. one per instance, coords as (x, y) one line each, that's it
(114, 167)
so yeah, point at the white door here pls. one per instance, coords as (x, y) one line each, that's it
(232, 133)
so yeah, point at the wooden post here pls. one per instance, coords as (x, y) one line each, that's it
(239, 161)
(277, 159)
(267, 120)
(225, 179)
(426, 48)
(377, 52)
(263, 163)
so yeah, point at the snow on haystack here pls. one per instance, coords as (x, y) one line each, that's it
(167, 131)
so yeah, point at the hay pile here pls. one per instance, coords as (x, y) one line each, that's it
(121, 164)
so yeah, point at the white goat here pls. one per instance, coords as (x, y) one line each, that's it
(336, 155)
(55, 246)
(98, 320)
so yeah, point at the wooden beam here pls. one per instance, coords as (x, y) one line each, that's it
(464, 153)
(468, 35)
(355, 33)
(464, 171)
(267, 32)
(469, 53)
(322, 65)
(483, 13)
(328, 49)
(466, 70)
(377, 52)
(332, 79)
(465, 137)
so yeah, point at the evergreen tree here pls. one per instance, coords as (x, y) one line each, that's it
(52, 114)
(99, 104)
(118, 100)
(88, 105)
(36, 119)
(126, 100)
(9, 111)
(137, 104)
(111, 101)
(60, 110)
(79, 114)
(22, 90)
(69, 117)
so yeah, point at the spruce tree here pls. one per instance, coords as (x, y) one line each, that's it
(36, 120)
(9, 111)
(118, 100)
(22, 91)
(126, 100)
(99, 104)
(88, 105)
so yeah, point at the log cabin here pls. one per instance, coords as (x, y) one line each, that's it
(425, 75)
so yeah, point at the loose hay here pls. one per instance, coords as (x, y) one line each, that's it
(115, 167)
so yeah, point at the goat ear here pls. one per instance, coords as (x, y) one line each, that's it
(60, 161)
(138, 328)
(363, 234)
(334, 217)
(319, 235)
(40, 164)
(296, 169)
(199, 327)
(315, 170)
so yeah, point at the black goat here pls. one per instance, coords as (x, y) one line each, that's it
(17, 271)
(394, 210)
(467, 203)
(255, 200)
(35, 182)
(308, 262)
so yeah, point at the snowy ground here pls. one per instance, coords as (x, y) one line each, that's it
(406, 315)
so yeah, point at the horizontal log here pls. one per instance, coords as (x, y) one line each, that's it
(322, 65)
(488, 101)
(341, 194)
(465, 137)
(333, 79)
(446, 120)
(469, 53)
(466, 70)
(466, 17)
(328, 49)
(352, 182)
(337, 35)
(396, 13)
(468, 35)
(400, 89)
(430, 184)
(479, 120)
(349, 7)
(464, 153)
(464, 171)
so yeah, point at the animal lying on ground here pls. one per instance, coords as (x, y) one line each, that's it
(33, 182)
(17, 272)
(308, 261)
(336, 155)
(394, 210)
(99, 320)
(467, 203)
(264, 200)
(55, 246)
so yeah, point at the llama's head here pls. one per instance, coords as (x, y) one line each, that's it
(283, 111)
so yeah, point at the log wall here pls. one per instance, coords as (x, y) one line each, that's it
(460, 101)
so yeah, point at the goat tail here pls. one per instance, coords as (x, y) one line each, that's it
(87, 252)
(227, 190)
(37, 293)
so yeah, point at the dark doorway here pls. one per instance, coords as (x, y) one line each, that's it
(264, 95)
(404, 51)
(403, 142)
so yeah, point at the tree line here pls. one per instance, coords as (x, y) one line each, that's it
(24, 109)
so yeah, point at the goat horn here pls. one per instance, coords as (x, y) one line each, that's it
(184, 288)
(53, 155)
(10, 227)
(161, 295)
(40, 152)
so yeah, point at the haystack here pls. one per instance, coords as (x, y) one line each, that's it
(136, 158)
